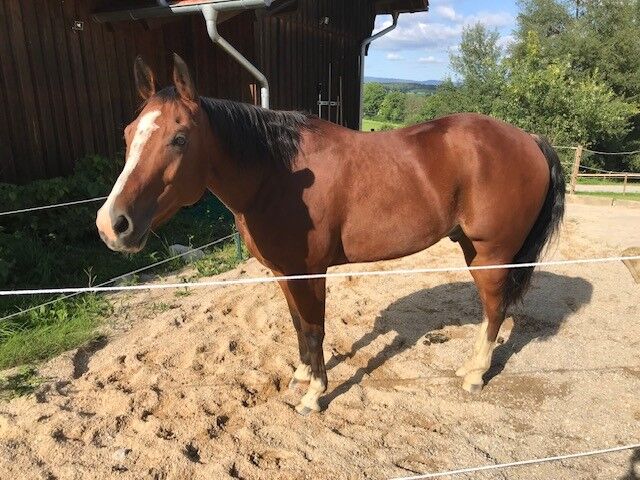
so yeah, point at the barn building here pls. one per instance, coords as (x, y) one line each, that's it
(66, 80)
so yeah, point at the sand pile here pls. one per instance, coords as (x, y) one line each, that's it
(193, 384)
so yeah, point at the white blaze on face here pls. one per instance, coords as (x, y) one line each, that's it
(146, 127)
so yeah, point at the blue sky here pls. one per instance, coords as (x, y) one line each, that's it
(418, 49)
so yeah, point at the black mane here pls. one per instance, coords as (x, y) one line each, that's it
(253, 134)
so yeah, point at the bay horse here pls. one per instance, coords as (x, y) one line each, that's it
(308, 194)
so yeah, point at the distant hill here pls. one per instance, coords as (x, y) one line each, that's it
(434, 83)
(424, 87)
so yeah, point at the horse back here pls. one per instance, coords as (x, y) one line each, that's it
(388, 194)
(359, 197)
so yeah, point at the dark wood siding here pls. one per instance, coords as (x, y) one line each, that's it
(297, 49)
(65, 93)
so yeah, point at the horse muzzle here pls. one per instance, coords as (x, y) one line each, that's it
(119, 232)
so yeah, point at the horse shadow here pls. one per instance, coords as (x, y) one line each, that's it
(634, 466)
(548, 303)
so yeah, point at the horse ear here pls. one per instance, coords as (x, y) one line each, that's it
(145, 80)
(182, 79)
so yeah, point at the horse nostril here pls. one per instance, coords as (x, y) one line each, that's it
(121, 225)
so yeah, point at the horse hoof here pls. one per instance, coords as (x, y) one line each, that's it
(472, 387)
(304, 411)
(298, 386)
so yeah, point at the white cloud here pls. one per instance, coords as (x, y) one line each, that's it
(424, 31)
(490, 19)
(429, 59)
(446, 11)
(394, 56)
(415, 32)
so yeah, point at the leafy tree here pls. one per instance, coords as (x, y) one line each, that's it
(598, 39)
(480, 68)
(373, 96)
(414, 103)
(481, 71)
(572, 75)
(540, 94)
(602, 36)
(394, 107)
(549, 19)
(545, 96)
(448, 99)
(605, 38)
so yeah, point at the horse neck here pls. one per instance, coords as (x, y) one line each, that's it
(234, 184)
(237, 170)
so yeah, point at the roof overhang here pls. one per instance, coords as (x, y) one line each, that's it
(401, 6)
(120, 10)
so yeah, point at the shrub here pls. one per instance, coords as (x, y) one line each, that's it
(60, 247)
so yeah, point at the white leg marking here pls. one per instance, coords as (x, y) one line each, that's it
(146, 127)
(479, 362)
(301, 377)
(469, 363)
(309, 402)
(303, 373)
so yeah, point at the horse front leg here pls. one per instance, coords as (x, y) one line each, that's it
(302, 375)
(306, 300)
(309, 402)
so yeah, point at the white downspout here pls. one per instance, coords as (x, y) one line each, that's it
(210, 13)
(363, 53)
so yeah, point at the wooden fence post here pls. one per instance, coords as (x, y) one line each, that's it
(238, 241)
(576, 170)
(624, 185)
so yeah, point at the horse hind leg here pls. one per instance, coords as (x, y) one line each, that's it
(490, 284)
(306, 300)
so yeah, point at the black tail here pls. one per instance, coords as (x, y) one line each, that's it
(543, 230)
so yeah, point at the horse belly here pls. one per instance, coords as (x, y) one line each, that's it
(379, 235)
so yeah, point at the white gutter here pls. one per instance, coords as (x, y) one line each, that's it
(209, 9)
(363, 53)
(210, 13)
(165, 8)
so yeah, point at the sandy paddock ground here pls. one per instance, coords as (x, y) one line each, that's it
(194, 386)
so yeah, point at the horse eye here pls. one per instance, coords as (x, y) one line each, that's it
(179, 141)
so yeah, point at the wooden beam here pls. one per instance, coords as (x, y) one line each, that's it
(401, 6)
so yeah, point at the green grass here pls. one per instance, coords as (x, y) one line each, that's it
(25, 381)
(377, 125)
(51, 330)
(601, 181)
(635, 196)
(48, 331)
(60, 248)
(160, 307)
(220, 260)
